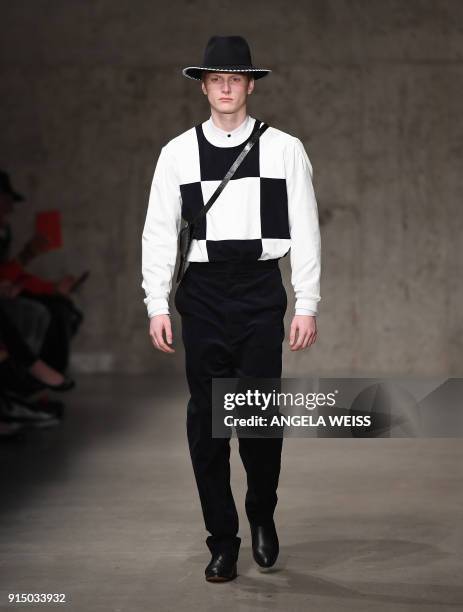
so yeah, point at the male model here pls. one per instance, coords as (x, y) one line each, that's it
(231, 299)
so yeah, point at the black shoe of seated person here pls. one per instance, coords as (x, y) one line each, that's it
(14, 377)
(66, 385)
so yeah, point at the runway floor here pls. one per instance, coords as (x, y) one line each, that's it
(104, 509)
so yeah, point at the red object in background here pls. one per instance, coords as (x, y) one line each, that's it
(14, 272)
(48, 223)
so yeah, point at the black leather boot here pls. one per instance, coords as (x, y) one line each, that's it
(265, 545)
(222, 567)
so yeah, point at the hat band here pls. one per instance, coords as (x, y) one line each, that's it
(228, 69)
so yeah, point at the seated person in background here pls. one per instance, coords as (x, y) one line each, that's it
(65, 318)
(13, 268)
(20, 346)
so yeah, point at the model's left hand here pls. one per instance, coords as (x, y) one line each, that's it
(303, 332)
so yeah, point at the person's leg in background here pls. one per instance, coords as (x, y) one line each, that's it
(65, 320)
(23, 370)
(30, 318)
(11, 334)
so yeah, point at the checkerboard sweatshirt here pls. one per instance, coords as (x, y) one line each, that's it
(267, 209)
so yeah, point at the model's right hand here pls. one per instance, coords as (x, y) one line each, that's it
(159, 324)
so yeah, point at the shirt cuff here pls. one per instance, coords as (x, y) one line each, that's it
(304, 304)
(157, 306)
(305, 311)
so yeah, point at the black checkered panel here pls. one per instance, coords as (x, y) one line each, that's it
(252, 207)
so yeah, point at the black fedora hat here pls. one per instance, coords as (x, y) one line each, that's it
(226, 54)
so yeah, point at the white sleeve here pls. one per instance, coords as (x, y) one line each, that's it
(305, 252)
(160, 235)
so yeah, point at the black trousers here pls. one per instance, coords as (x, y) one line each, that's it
(232, 326)
(11, 335)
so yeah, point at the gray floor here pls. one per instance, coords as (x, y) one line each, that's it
(105, 510)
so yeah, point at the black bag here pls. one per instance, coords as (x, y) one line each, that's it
(186, 233)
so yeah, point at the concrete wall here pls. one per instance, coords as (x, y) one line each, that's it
(90, 91)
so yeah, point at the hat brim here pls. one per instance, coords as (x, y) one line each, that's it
(195, 72)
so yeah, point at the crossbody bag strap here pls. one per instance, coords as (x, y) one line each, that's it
(251, 142)
(187, 232)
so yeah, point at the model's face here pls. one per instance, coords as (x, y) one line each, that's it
(226, 91)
